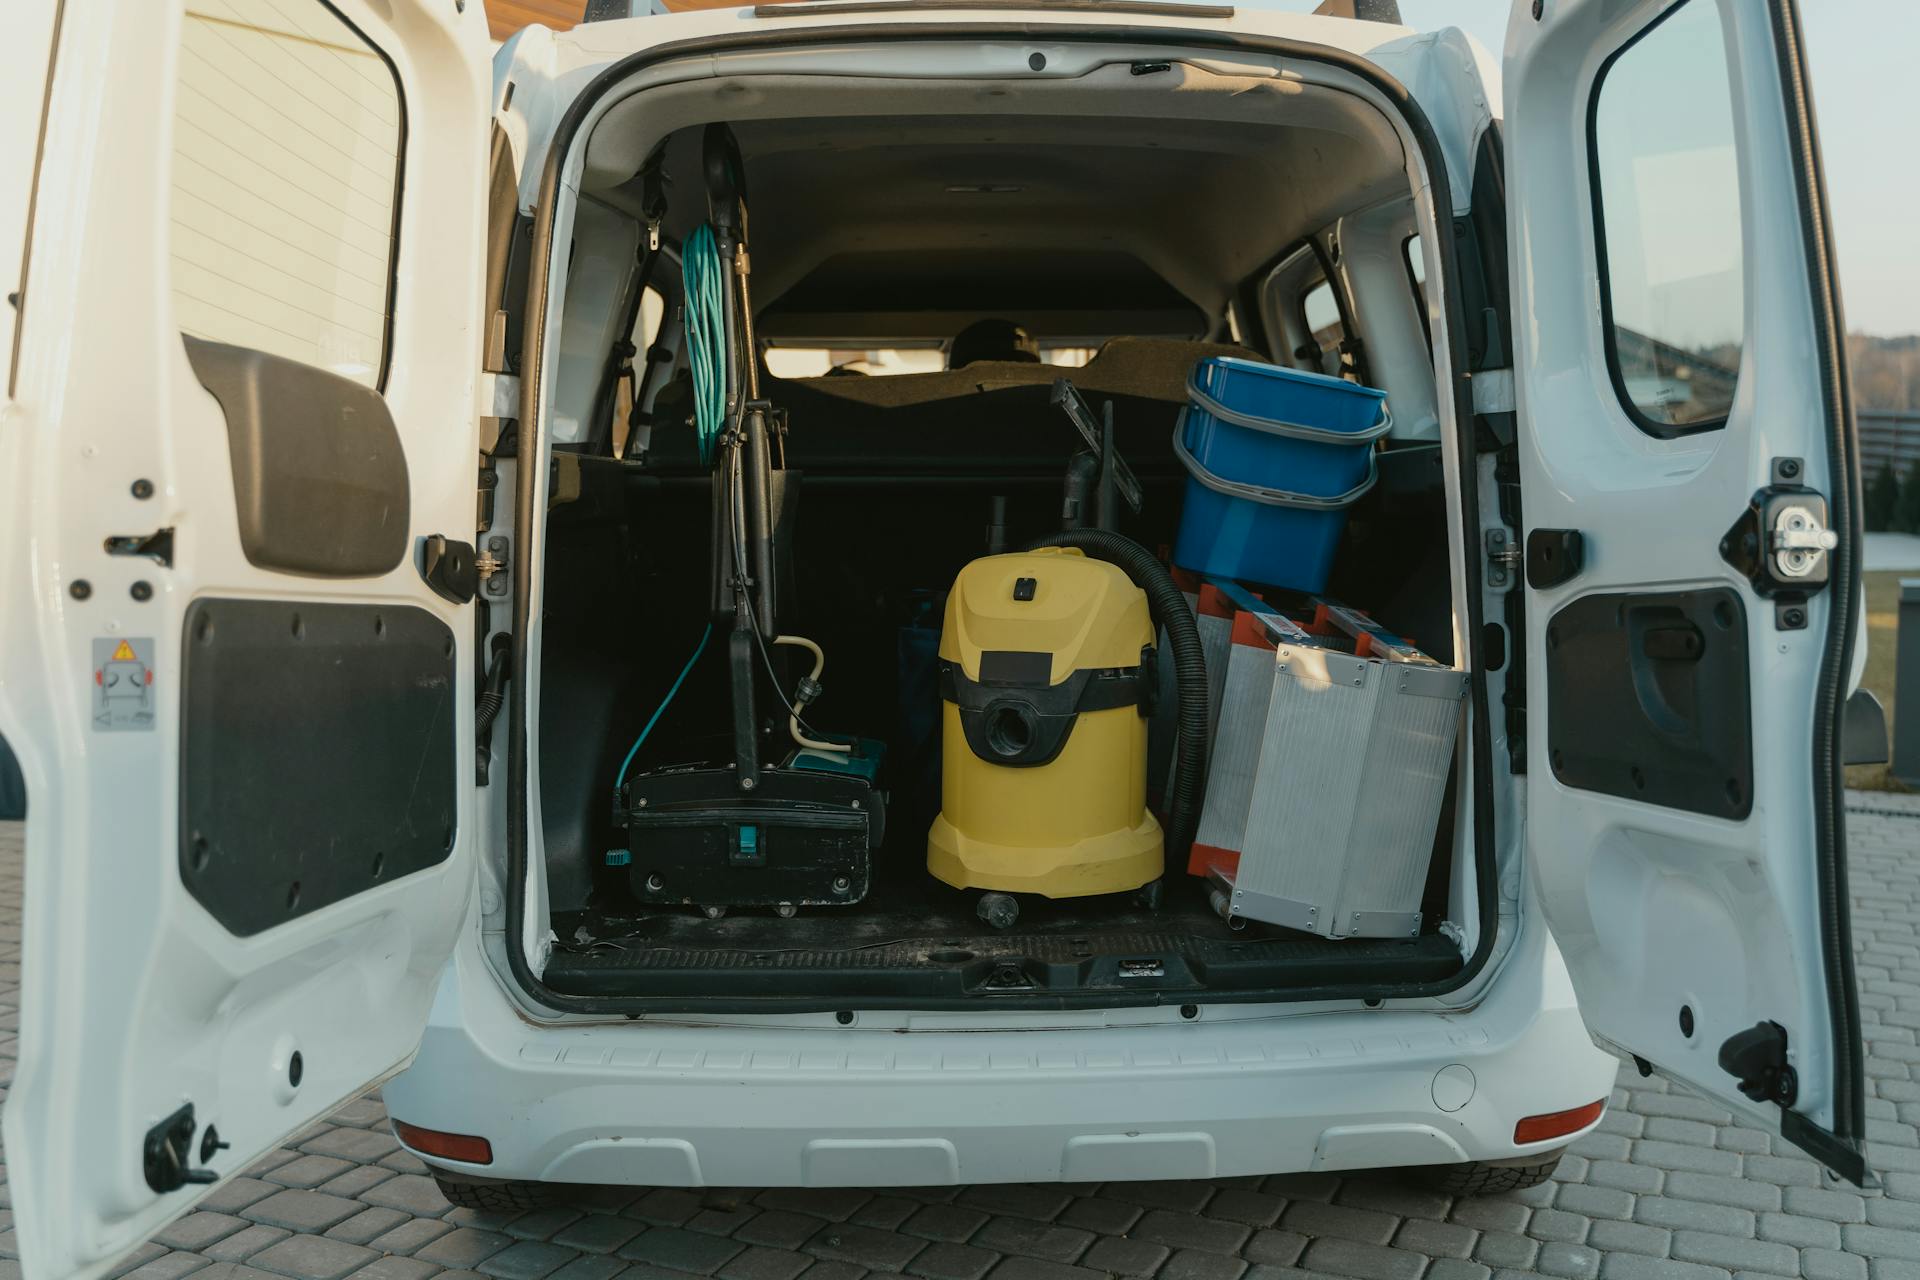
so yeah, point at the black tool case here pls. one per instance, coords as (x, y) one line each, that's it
(799, 838)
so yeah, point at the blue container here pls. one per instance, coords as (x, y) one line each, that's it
(1274, 458)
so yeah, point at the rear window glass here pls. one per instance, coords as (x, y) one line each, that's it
(785, 361)
(1416, 260)
(1666, 174)
(286, 157)
(1322, 314)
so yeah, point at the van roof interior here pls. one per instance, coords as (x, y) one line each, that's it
(1142, 199)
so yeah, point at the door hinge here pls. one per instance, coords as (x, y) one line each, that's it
(491, 565)
(1503, 559)
(1782, 543)
(1757, 1058)
(165, 1152)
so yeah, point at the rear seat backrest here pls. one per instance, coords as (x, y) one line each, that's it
(989, 409)
(1151, 368)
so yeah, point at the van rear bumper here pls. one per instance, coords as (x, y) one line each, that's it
(921, 1102)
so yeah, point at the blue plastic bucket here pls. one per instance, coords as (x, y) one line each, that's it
(1274, 458)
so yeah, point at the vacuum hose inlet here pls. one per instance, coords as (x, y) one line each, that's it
(1171, 614)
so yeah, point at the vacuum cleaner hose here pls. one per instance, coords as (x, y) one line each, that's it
(1171, 614)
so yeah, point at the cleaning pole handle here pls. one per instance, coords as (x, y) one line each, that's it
(726, 181)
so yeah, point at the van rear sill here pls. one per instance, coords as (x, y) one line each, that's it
(1159, 967)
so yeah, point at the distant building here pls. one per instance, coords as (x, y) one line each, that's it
(505, 17)
(1888, 435)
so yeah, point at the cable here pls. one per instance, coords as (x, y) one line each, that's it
(702, 274)
(745, 597)
(1169, 610)
(807, 691)
(658, 711)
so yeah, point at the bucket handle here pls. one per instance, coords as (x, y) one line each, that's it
(1276, 427)
(1260, 494)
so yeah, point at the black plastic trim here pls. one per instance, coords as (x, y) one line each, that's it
(1650, 698)
(1829, 711)
(1659, 430)
(1554, 556)
(1012, 717)
(320, 482)
(317, 753)
(969, 970)
(527, 491)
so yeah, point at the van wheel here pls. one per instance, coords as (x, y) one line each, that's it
(1491, 1177)
(494, 1197)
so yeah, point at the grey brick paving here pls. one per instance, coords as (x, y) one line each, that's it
(1669, 1188)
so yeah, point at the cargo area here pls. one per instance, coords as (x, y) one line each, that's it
(919, 284)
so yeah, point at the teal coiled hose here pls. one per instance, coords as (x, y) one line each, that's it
(703, 276)
(661, 710)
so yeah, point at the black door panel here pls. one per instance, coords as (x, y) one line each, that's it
(1647, 698)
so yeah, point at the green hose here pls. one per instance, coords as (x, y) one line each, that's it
(703, 276)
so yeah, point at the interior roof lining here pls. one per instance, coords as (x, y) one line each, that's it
(1200, 173)
(629, 130)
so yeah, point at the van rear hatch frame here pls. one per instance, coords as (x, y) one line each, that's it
(526, 513)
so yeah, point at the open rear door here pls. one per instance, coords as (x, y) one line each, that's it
(235, 664)
(1692, 546)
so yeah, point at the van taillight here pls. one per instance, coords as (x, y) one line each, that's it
(1557, 1124)
(448, 1146)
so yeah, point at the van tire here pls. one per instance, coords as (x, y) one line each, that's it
(494, 1197)
(1491, 1177)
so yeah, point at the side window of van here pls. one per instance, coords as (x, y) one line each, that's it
(1667, 210)
(1321, 312)
(1416, 259)
(286, 173)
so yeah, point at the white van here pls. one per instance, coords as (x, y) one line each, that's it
(352, 539)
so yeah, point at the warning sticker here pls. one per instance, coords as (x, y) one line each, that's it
(122, 684)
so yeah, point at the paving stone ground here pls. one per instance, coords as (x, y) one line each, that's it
(1668, 1189)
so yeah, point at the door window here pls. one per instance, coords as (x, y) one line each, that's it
(1321, 311)
(1667, 208)
(286, 152)
(1416, 260)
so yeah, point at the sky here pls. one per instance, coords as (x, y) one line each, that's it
(1866, 92)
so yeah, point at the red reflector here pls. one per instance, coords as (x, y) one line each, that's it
(1557, 1124)
(448, 1146)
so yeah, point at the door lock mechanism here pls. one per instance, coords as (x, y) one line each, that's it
(1799, 540)
(1783, 544)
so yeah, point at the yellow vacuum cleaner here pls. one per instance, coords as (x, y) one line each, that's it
(1047, 676)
